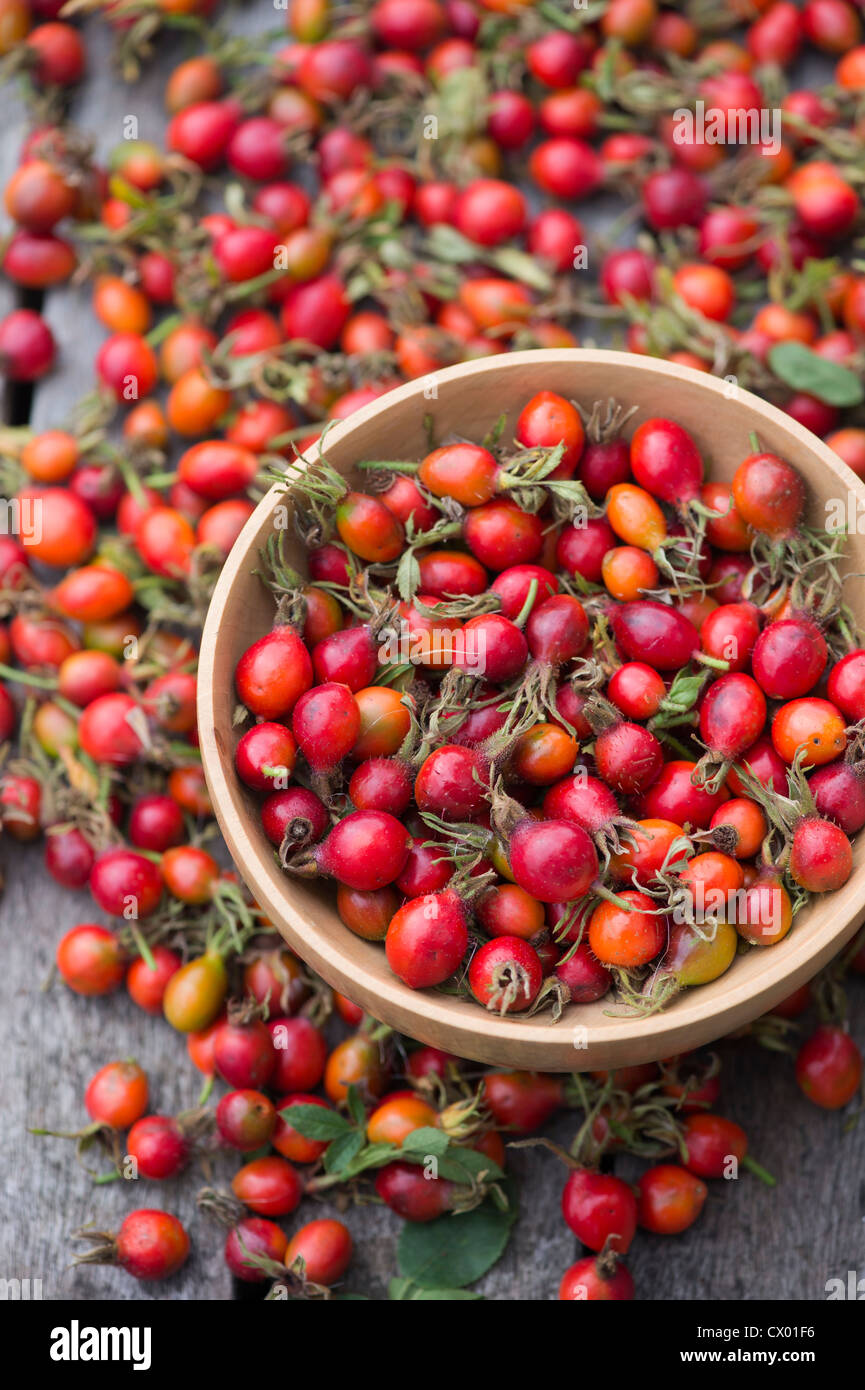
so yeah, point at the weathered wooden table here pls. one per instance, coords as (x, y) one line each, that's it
(750, 1243)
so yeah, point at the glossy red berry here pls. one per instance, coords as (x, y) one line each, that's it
(829, 1067)
(600, 1209)
(505, 975)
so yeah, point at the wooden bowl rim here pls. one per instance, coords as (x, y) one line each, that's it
(427, 1015)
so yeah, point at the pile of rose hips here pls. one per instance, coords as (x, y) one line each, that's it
(353, 251)
(418, 249)
(554, 794)
(276, 1118)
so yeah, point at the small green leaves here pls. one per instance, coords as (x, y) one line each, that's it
(678, 704)
(317, 1122)
(366, 1157)
(804, 370)
(492, 436)
(445, 243)
(356, 1107)
(408, 569)
(425, 1140)
(464, 1165)
(407, 575)
(520, 266)
(348, 1154)
(342, 1151)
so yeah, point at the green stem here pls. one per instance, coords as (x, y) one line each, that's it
(674, 743)
(249, 287)
(607, 893)
(758, 1170)
(130, 478)
(158, 334)
(143, 948)
(394, 465)
(716, 662)
(160, 480)
(11, 673)
(673, 719)
(523, 616)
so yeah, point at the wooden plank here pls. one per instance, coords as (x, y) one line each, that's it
(53, 1042)
(723, 1257)
(753, 1242)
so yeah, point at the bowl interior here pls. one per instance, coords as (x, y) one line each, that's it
(467, 400)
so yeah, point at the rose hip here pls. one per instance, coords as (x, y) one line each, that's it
(149, 1245)
(600, 1209)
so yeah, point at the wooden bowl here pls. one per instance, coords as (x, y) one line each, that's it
(467, 399)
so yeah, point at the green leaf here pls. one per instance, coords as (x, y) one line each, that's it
(356, 1107)
(341, 1152)
(372, 1156)
(316, 1121)
(127, 193)
(402, 1289)
(492, 436)
(461, 1164)
(804, 370)
(520, 266)
(357, 287)
(683, 693)
(685, 689)
(426, 1141)
(453, 1168)
(450, 245)
(453, 1251)
(407, 576)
